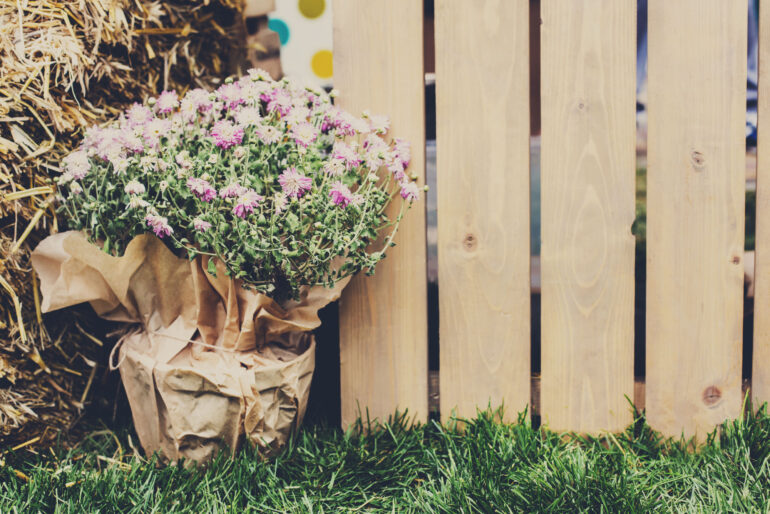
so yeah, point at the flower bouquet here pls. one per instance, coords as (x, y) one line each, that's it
(218, 224)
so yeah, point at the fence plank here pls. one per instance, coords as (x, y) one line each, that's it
(760, 376)
(588, 183)
(482, 111)
(695, 213)
(383, 319)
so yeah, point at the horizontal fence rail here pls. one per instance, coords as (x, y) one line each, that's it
(695, 206)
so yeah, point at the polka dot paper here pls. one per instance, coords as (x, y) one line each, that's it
(305, 29)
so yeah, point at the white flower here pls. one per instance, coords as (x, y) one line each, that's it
(134, 188)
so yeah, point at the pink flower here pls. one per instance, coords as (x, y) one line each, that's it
(401, 155)
(76, 165)
(232, 190)
(334, 167)
(304, 134)
(340, 194)
(231, 95)
(159, 225)
(410, 191)
(226, 134)
(201, 188)
(278, 100)
(379, 124)
(201, 225)
(154, 130)
(268, 134)
(138, 114)
(247, 203)
(347, 154)
(294, 183)
(167, 102)
(194, 102)
(132, 142)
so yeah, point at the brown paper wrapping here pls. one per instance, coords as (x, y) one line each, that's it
(208, 362)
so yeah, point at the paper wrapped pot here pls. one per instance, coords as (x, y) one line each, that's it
(207, 364)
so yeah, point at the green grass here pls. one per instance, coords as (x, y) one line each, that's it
(429, 468)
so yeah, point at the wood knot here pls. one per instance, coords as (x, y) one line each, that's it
(711, 396)
(698, 159)
(469, 242)
(736, 259)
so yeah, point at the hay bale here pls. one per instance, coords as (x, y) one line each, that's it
(63, 67)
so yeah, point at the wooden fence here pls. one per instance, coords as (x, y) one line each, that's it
(695, 205)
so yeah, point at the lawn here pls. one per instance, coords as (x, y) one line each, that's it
(398, 467)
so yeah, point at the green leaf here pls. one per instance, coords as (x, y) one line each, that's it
(212, 268)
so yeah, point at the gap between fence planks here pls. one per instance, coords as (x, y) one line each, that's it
(760, 376)
(378, 65)
(695, 213)
(482, 117)
(588, 70)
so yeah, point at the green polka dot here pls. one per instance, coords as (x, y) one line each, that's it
(322, 64)
(312, 8)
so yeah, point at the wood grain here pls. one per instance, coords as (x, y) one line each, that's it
(588, 184)
(695, 213)
(383, 319)
(760, 377)
(482, 112)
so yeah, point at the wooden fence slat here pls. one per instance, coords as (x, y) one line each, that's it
(587, 198)
(695, 213)
(482, 113)
(760, 376)
(378, 66)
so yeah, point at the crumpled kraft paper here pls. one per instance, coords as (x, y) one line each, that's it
(208, 362)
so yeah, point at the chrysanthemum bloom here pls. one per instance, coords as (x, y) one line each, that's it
(375, 148)
(402, 152)
(201, 188)
(304, 134)
(279, 100)
(183, 159)
(410, 191)
(247, 202)
(294, 183)
(280, 201)
(154, 130)
(132, 142)
(248, 116)
(232, 190)
(298, 115)
(379, 124)
(334, 167)
(167, 102)
(201, 225)
(134, 188)
(230, 95)
(347, 154)
(138, 114)
(159, 225)
(259, 74)
(137, 202)
(268, 134)
(340, 194)
(226, 134)
(76, 165)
